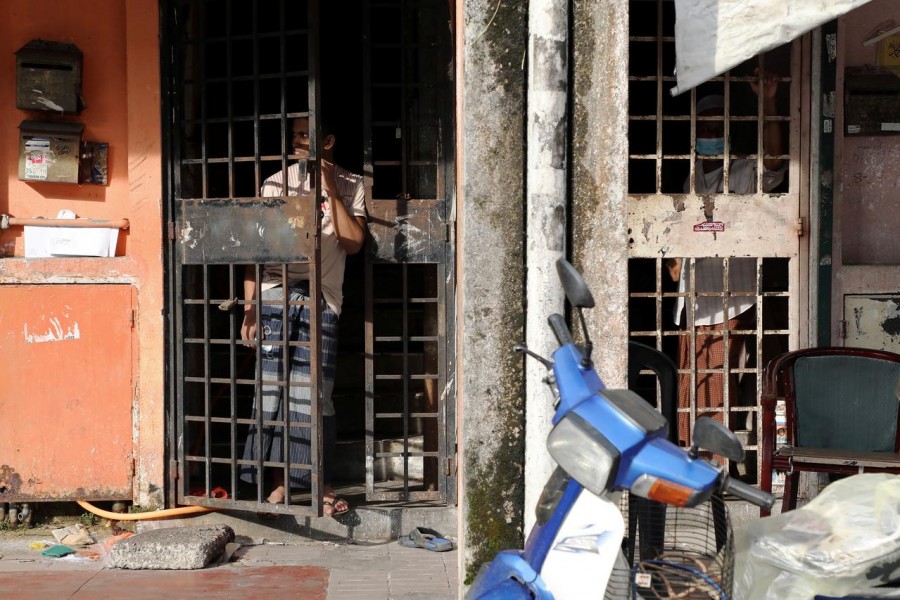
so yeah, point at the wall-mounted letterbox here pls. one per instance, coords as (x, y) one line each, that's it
(48, 77)
(871, 102)
(49, 151)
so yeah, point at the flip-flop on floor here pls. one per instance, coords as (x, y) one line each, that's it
(429, 539)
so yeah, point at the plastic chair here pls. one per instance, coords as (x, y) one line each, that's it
(642, 357)
(841, 409)
(645, 515)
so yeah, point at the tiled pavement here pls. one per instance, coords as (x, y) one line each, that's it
(309, 570)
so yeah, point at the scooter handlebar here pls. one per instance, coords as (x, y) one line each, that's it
(748, 492)
(560, 329)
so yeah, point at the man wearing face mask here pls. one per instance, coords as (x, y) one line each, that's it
(709, 312)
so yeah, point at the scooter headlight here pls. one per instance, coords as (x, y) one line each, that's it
(584, 453)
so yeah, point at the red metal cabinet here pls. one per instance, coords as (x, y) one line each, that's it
(66, 392)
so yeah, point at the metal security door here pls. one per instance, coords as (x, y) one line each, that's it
(410, 423)
(240, 73)
(719, 236)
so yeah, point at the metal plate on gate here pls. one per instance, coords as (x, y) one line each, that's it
(407, 231)
(251, 230)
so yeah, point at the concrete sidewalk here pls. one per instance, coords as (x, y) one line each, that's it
(258, 569)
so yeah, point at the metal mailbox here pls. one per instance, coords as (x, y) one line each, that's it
(48, 77)
(49, 151)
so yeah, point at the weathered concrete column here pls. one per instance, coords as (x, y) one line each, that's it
(491, 278)
(545, 224)
(600, 175)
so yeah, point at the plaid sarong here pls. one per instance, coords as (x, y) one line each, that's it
(271, 441)
(710, 353)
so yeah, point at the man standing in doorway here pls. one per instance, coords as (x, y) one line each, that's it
(710, 317)
(343, 232)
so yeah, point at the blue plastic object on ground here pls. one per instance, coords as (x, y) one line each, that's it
(429, 539)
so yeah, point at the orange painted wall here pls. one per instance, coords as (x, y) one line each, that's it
(119, 40)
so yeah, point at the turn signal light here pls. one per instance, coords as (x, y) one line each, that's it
(670, 493)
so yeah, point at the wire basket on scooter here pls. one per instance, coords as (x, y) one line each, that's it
(674, 552)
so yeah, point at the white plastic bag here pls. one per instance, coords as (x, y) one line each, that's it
(846, 539)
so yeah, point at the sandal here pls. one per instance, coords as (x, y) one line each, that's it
(333, 502)
(429, 539)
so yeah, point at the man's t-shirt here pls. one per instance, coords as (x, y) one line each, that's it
(352, 192)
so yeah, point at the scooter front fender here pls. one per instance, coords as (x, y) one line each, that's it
(508, 577)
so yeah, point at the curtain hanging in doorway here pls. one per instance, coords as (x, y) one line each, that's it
(712, 36)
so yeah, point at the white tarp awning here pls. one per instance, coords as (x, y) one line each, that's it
(712, 36)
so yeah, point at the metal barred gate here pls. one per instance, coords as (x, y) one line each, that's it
(240, 73)
(236, 74)
(739, 250)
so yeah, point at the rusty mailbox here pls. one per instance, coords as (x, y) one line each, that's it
(49, 151)
(48, 77)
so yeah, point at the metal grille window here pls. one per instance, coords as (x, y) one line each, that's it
(714, 219)
(663, 130)
(756, 335)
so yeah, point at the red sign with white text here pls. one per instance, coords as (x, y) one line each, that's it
(714, 226)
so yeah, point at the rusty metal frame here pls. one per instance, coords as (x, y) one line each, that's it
(654, 216)
(407, 229)
(665, 329)
(434, 421)
(213, 237)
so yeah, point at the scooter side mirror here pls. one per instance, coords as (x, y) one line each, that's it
(574, 285)
(711, 435)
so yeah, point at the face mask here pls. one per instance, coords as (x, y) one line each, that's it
(709, 146)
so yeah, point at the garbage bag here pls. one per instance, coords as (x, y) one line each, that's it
(846, 539)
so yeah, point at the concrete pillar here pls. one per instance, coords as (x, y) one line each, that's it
(545, 225)
(600, 175)
(490, 267)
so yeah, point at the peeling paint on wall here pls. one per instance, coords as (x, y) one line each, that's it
(54, 332)
(874, 322)
(709, 206)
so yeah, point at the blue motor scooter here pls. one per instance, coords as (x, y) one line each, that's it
(604, 441)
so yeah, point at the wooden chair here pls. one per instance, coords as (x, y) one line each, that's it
(842, 415)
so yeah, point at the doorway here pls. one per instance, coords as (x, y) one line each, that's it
(715, 229)
(237, 75)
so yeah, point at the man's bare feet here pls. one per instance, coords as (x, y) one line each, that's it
(277, 495)
(332, 504)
